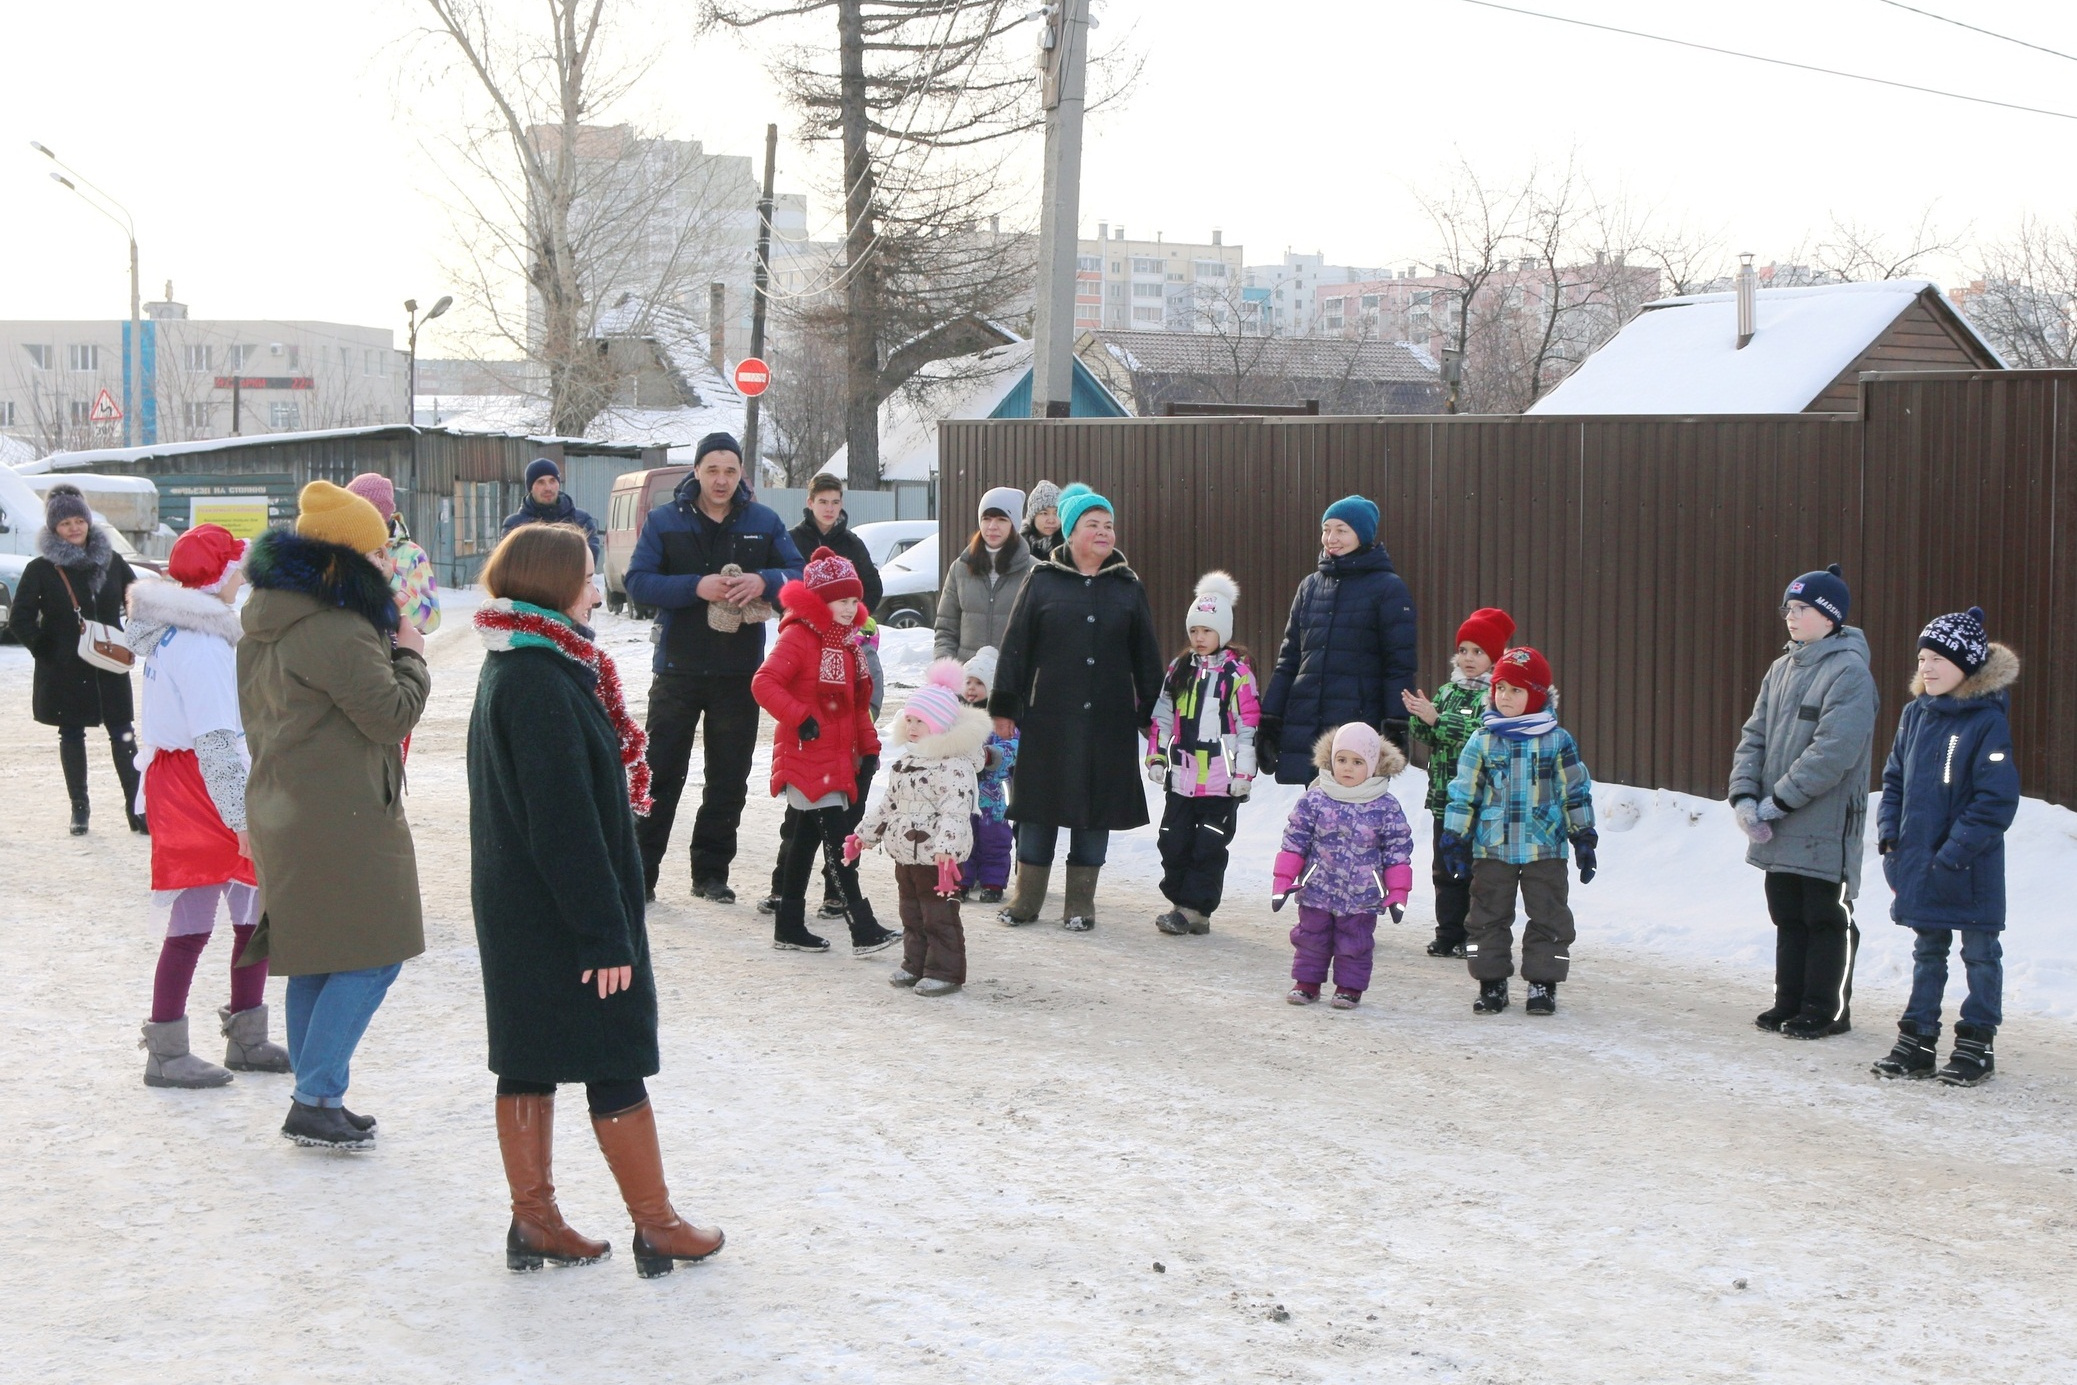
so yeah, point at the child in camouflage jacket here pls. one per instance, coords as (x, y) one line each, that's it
(1445, 726)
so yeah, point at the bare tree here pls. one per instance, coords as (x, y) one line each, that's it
(916, 93)
(1476, 226)
(1852, 252)
(2025, 297)
(586, 216)
(805, 405)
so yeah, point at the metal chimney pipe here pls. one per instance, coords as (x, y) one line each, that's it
(717, 328)
(1748, 286)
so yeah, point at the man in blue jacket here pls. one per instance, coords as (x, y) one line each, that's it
(546, 504)
(702, 672)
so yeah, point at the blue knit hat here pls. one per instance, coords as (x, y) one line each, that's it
(539, 467)
(1960, 639)
(1356, 512)
(1825, 590)
(1076, 501)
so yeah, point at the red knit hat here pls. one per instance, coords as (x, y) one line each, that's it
(1522, 667)
(202, 555)
(1488, 627)
(832, 577)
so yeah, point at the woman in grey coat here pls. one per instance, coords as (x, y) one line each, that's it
(1799, 784)
(982, 583)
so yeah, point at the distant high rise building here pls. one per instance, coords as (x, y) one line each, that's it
(1154, 285)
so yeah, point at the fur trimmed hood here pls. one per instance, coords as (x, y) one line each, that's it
(967, 734)
(1391, 761)
(330, 574)
(156, 605)
(1998, 674)
(1113, 566)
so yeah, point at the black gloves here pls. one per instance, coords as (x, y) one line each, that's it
(810, 729)
(1269, 733)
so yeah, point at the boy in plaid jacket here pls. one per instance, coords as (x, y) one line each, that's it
(1445, 725)
(1520, 795)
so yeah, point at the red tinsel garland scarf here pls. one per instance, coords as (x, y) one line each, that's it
(504, 625)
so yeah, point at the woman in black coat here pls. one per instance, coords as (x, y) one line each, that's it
(556, 775)
(1078, 676)
(70, 693)
(1350, 651)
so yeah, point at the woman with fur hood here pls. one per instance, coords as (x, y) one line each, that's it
(1347, 853)
(76, 573)
(924, 822)
(814, 684)
(329, 684)
(193, 765)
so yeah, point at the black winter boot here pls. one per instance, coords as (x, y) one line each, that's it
(867, 936)
(1972, 1060)
(1492, 997)
(1543, 998)
(1809, 1026)
(1773, 1017)
(1914, 1056)
(790, 930)
(72, 757)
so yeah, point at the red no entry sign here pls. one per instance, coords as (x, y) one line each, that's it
(753, 377)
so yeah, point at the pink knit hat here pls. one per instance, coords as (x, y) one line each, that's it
(937, 703)
(377, 490)
(1358, 739)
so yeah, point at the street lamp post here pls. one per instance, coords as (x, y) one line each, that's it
(133, 354)
(411, 370)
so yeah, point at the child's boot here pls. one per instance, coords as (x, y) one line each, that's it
(867, 936)
(1024, 906)
(790, 929)
(1346, 999)
(1915, 1054)
(1543, 998)
(1492, 997)
(1972, 1060)
(1304, 993)
(168, 1063)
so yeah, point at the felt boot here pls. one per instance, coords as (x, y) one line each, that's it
(1081, 898)
(1030, 897)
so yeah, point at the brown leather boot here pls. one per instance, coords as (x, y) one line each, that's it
(526, 1137)
(628, 1139)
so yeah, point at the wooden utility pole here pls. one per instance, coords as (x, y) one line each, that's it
(1063, 57)
(762, 281)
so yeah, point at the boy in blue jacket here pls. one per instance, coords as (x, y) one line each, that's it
(1949, 792)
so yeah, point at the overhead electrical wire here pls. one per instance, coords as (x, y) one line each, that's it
(1977, 29)
(1777, 62)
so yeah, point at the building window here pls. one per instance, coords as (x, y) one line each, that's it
(1143, 266)
(41, 355)
(197, 412)
(376, 363)
(85, 358)
(1089, 264)
(199, 359)
(1147, 290)
(237, 357)
(280, 415)
(1146, 314)
(1370, 301)
(1211, 269)
(81, 413)
(1114, 291)
(6, 413)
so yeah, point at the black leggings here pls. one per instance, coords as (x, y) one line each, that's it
(72, 756)
(603, 1098)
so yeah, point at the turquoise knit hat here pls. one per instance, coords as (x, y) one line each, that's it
(1076, 501)
(1356, 512)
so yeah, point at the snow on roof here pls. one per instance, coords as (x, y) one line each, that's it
(958, 387)
(1297, 358)
(1681, 355)
(82, 460)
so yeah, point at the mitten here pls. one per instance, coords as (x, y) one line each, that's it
(1157, 770)
(1284, 877)
(1454, 854)
(1269, 735)
(1240, 786)
(1770, 811)
(1885, 846)
(810, 729)
(1747, 812)
(1398, 912)
(1583, 844)
(948, 878)
(854, 847)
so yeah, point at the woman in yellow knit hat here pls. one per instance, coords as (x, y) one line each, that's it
(330, 683)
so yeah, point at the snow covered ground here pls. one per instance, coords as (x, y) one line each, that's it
(1116, 1157)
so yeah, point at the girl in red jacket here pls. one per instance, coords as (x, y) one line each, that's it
(815, 686)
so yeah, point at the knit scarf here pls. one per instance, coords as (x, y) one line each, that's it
(506, 624)
(835, 669)
(1521, 728)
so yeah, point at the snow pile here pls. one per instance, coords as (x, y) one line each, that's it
(905, 655)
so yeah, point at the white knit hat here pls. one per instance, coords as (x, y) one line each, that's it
(1008, 499)
(1212, 606)
(982, 666)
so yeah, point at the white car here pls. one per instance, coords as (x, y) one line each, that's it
(21, 515)
(887, 539)
(909, 586)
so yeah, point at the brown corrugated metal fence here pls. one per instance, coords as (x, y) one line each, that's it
(1645, 556)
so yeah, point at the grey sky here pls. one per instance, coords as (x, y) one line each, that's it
(274, 172)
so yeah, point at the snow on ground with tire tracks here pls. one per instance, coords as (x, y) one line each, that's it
(1643, 1188)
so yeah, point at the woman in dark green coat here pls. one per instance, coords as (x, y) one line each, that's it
(556, 776)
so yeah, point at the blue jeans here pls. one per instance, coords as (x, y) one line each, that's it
(1983, 958)
(327, 1014)
(1085, 845)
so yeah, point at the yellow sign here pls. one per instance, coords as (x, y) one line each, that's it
(244, 515)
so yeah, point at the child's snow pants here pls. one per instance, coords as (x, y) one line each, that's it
(1489, 931)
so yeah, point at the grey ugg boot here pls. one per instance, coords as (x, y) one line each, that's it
(1030, 897)
(170, 1064)
(246, 1048)
(1081, 898)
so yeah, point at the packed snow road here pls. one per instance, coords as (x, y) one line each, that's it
(1116, 1157)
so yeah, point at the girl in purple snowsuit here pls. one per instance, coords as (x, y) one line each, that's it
(987, 870)
(1347, 853)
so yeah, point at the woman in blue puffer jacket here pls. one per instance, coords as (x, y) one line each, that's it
(1349, 652)
(1949, 792)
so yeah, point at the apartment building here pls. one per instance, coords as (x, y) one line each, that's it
(1281, 299)
(201, 378)
(1155, 285)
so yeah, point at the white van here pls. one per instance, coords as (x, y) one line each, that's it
(21, 515)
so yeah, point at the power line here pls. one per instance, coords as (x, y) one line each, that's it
(1777, 62)
(1974, 29)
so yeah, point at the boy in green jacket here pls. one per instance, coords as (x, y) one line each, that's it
(1445, 725)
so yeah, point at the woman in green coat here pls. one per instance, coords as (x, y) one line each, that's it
(556, 775)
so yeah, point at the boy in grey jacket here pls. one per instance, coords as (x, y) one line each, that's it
(1799, 785)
